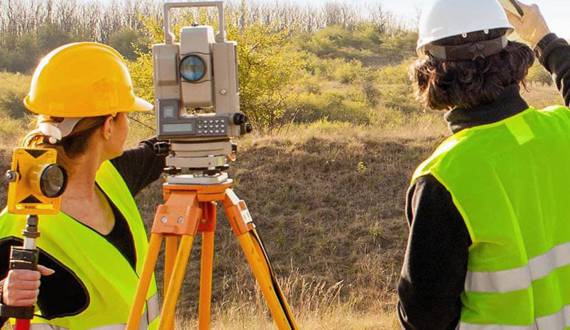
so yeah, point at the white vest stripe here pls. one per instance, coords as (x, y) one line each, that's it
(467, 326)
(153, 308)
(559, 320)
(522, 277)
(151, 313)
(556, 321)
(43, 326)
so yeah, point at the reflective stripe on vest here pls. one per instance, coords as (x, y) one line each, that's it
(44, 326)
(109, 279)
(522, 277)
(560, 320)
(151, 314)
(153, 308)
(509, 181)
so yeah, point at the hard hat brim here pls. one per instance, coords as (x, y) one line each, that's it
(141, 105)
(28, 104)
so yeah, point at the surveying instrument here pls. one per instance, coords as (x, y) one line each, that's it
(36, 184)
(197, 102)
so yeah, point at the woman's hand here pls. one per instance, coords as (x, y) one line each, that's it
(21, 287)
(532, 26)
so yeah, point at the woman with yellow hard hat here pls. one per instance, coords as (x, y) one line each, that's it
(92, 251)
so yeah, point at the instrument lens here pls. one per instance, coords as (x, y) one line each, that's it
(192, 68)
(53, 181)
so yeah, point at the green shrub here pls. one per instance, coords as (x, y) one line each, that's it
(394, 87)
(348, 72)
(13, 89)
(129, 43)
(371, 92)
(324, 43)
(398, 96)
(311, 84)
(22, 54)
(19, 55)
(331, 106)
(395, 74)
(365, 42)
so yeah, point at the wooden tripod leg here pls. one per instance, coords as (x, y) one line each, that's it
(171, 243)
(169, 258)
(244, 229)
(144, 282)
(208, 228)
(278, 306)
(173, 290)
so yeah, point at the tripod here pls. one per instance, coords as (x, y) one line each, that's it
(190, 208)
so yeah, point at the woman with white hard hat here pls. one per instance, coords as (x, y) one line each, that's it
(489, 244)
(91, 253)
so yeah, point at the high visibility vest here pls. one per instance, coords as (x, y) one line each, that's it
(105, 273)
(510, 181)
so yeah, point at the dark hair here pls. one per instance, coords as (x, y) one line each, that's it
(71, 146)
(76, 143)
(447, 84)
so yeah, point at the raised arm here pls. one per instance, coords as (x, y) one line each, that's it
(140, 166)
(553, 52)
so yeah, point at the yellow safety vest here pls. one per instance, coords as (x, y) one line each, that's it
(510, 181)
(105, 273)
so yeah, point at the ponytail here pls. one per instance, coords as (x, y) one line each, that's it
(70, 146)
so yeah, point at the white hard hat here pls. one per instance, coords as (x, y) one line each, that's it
(441, 19)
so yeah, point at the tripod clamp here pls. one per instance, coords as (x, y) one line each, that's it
(24, 257)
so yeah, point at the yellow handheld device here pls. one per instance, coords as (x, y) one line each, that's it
(513, 7)
(36, 182)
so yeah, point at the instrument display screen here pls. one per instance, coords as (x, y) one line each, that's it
(178, 128)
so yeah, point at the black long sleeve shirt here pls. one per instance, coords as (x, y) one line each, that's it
(435, 264)
(62, 294)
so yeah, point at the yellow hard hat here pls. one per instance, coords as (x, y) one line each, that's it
(84, 79)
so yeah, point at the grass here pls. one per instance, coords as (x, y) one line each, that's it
(541, 96)
(13, 88)
(341, 317)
